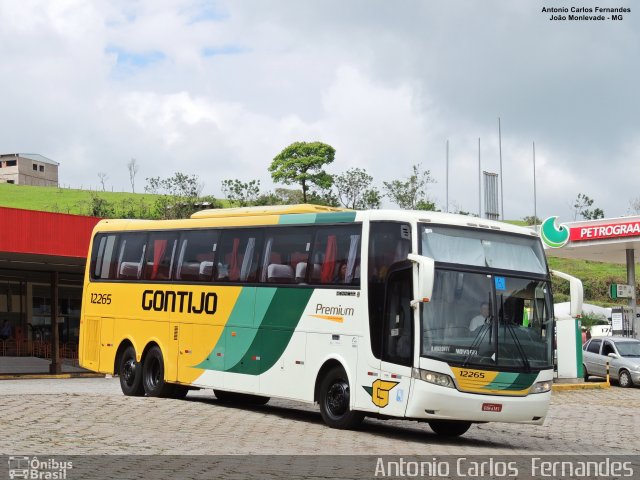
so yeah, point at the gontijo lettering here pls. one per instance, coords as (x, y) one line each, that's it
(180, 301)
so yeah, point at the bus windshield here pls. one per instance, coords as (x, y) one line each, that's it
(481, 248)
(485, 319)
(468, 322)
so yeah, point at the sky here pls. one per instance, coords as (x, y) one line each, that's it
(218, 88)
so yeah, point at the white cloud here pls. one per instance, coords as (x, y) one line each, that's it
(385, 84)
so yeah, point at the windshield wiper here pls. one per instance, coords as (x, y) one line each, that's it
(523, 355)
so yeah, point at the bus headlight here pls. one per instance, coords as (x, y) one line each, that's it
(541, 387)
(433, 377)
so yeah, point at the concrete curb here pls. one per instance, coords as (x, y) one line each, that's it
(561, 387)
(44, 376)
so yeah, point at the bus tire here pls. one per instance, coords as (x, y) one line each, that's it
(153, 374)
(335, 401)
(449, 428)
(240, 398)
(130, 373)
(179, 391)
(255, 399)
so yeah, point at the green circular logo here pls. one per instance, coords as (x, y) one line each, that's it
(553, 236)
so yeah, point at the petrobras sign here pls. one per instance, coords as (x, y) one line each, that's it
(611, 230)
(556, 236)
(553, 235)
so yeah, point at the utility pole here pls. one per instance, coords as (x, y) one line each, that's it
(501, 184)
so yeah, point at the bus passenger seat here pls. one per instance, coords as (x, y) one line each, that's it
(301, 271)
(129, 270)
(278, 273)
(206, 269)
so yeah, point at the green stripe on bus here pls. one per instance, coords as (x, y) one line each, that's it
(297, 219)
(336, 217)
(306, 218)
(512, 381)
(275, 330)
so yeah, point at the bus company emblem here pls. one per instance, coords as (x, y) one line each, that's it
(379, 391)
(553, 236)
(180, 301)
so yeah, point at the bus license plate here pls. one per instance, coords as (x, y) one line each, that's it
(491, 407)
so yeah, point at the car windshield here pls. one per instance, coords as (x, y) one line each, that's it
(628, 349)
(486, 320)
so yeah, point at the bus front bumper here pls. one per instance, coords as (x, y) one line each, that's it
(428, 401)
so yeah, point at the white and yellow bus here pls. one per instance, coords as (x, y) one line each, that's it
(368, 313)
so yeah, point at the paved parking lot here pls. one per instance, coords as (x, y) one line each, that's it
(91, 416)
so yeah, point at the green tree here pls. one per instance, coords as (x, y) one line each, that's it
(531, 220)
(581, 207)
(99, 207)
(241, 193)
(355, 190)
(411, 193)
(302, 163)
(179, 196)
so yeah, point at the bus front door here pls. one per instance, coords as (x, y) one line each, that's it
(392, 390)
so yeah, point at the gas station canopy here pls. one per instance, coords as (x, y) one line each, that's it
(604, 240)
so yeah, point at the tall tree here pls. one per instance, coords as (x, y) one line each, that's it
(531, 220)
(133, 168)
(103, 178)
(179, 195)
(355, 190)
(581, 207)
(241, 193)
(302, 163)
(411, 193)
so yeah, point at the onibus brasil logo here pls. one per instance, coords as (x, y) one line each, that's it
(31, 468)
(552, 235)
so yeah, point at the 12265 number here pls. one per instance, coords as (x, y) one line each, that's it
(101, 298)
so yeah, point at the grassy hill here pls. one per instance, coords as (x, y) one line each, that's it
(596, 276)
(65, 200)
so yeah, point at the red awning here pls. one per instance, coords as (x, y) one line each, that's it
(45, 233)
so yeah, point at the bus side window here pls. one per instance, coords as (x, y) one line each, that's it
(285, 256)
(195, 255)
(131, 256)
(103, 257)
(238, 255)
(161, 250)
(335, 259)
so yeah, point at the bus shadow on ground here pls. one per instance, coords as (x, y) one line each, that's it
(410, 430)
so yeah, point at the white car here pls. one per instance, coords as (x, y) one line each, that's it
(622, 354)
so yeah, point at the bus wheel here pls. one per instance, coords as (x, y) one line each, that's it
(179, 391)
(449, 428)
(153, 375)
(130, 373)
(335, 401)
(254, 399)
(239, 398)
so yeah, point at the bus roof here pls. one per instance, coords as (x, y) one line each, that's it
(272, 215)
(266, 210)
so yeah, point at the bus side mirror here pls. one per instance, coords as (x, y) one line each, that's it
(575, 287)
(426, 275)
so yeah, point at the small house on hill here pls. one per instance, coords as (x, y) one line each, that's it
(28, 169)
